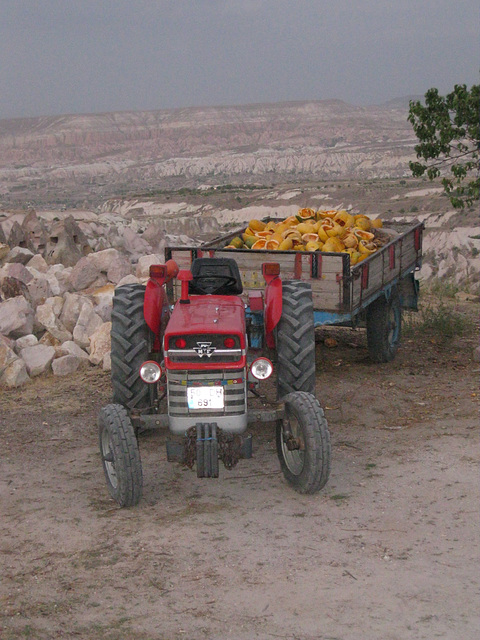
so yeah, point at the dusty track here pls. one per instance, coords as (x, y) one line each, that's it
(388, 550)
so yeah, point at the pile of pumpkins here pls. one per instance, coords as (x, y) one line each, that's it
(329, 230)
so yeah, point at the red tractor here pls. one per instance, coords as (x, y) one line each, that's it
(195, 366)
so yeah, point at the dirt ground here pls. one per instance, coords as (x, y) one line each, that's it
(388, 550)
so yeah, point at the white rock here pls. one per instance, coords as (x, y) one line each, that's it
(128, 280)
(88, 321)
(100, 343)
(70, 348)
(16, 317)
(15, 375)
(38, 262)
(47, 316)
(73, 303)
(65, 365)
(37, 358)
(25, 341)
(144, 263)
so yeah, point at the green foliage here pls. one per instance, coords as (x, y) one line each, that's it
(448, 130)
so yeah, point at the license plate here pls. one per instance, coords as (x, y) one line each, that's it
(205, 398)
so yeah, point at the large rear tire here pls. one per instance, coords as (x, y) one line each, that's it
(295, 340)
(131, 339)
(120, 455)
(384, 327)
(303, 443)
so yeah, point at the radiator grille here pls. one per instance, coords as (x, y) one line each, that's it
(233, 382)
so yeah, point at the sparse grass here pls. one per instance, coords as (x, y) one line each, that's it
(339, 497)
(440, 320)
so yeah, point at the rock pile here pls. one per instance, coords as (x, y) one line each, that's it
(56, 317)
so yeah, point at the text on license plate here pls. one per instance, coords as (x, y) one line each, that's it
(205, 398)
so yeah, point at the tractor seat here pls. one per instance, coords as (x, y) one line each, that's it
(219, 276)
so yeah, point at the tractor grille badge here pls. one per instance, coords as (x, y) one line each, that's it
(204, 349)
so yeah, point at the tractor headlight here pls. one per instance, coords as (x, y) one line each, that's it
(150, 372)
(261, 368)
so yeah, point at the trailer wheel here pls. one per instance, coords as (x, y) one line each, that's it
(131, 338)
(120, 455)
(303, 443)
(295, 340)
(384, 327)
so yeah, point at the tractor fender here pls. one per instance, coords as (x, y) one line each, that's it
(156, 309)
(273, 309)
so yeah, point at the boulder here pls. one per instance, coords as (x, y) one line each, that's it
(135, 244)
(144, 263)
(88, 321)
(38, 262)
(12, 288)
(62, 276)
(128, 280)
(103, 298)
(35, 232)
(25, 341)
(17, 271)
(66, 243)
(20, 254)
(73, 303)
(15, 374)
(17, 236)
(84, 274)
(70, 348)
(100, 343)
(50, 341)
(65, 365)
(37, 359)
(38, 288)
(16, 317)
(47, 316)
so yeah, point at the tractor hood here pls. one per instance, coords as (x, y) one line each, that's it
(208, 314)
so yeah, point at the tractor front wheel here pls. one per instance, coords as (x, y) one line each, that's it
(303, 443)
(120, 455)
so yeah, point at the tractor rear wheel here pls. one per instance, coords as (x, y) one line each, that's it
(120, 455)
(131, 340)
(303, 443)
(295, 340)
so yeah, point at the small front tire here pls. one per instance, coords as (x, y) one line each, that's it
(303, 443)
(120, 455)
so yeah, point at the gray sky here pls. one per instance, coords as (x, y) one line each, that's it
(84, 56)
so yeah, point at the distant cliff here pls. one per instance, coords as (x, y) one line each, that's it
(96, 156)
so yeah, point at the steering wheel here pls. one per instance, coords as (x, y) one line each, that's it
(209, 283)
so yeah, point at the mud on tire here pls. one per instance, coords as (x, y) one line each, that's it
(131, 339)
(295, 338)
